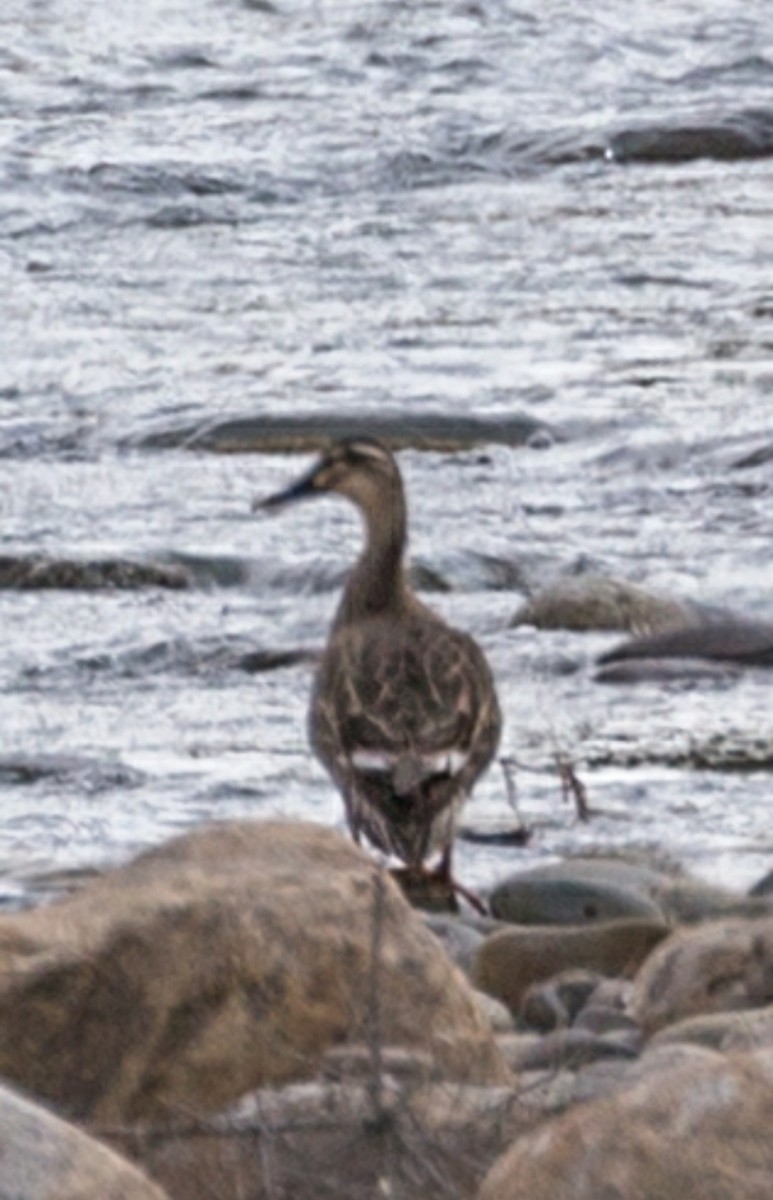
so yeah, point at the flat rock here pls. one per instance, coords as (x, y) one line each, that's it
(45, 1158)
(569, 1049)
(513, 959)
(734, 640)
(697, 1129)
(665, 670)
(300, 433)
(230, 958)
(326, 1141)
(696, 970)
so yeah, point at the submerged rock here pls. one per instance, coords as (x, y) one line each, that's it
(732, 640)
(586, 602)
(37, 572)
(665, 670)
(229, 958)
(92, 774)
(304, 432)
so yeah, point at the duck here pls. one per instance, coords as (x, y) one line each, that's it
(404, 714)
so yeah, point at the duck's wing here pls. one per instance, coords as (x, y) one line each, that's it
(410, 702)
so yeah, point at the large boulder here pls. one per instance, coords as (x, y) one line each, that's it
(227, 959)
(699, 1129)
(44, 1158)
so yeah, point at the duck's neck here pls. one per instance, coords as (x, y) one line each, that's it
(377, 586)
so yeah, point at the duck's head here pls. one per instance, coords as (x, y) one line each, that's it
(360, 468)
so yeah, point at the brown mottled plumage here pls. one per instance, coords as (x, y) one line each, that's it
(404, 713)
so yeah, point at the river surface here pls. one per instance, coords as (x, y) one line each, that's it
(218, 216)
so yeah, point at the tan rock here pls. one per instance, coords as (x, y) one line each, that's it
(227, 959)
(44, 1158)
(697, 1130)
(513, 959)
(696, 970)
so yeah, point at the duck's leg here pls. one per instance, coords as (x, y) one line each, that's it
(444, 874)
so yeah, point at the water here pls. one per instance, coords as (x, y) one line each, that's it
(250, 210)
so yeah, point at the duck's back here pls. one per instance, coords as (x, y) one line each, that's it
(397, 703)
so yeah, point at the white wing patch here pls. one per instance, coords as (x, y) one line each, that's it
(444, 762)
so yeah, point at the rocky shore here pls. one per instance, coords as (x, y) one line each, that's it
(255, 1010)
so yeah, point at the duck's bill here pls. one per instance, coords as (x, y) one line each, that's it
(299, 490)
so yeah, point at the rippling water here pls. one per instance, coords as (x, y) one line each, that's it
(256, 210)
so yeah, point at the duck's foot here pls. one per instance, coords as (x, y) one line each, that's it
(443, 872)
(426, 889)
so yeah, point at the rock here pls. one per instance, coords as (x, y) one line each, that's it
(323, 1141)
(359, 1062)
(764, 886)
(742, 1030)
(554, 1003)
(518, 1049)
(44, 1158)
(460, 941)
(510, 961)
(688, 901)
(568, 1049)
(698, 1129)
(734, 640)
(37, 572)
(696, 970)
(570, 893)
(585, 602)
(612, 993)
(758, 976)
(498, 1015)
(580, 889)
(603, 1018)
(608, 1075)
(664, 670)
(302, 432)
(229, 958)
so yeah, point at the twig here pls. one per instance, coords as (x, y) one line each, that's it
(374, 1034)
